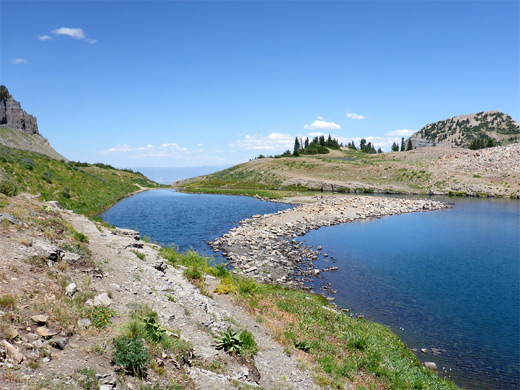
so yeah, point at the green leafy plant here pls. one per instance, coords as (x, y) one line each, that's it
(100, 316)
(80, 237)
(152, 327)
(229, 341)
(131, 354)
(140, 255)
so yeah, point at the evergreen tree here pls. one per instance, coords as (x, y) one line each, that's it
(4, 93)
(296, 151)
(306, 143)
(362, 144)
(379, 150)
(395, 147)
(409, 146)
(403, 148)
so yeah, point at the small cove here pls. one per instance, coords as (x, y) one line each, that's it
(446, 279)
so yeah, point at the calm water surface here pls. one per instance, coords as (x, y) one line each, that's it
(186, 220)
(446, 279)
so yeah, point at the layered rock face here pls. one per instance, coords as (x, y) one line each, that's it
(13, 117)
(460, 131)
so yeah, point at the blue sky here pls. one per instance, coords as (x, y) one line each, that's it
(172, 83)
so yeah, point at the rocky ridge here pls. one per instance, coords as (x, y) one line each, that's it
(459, 131)
(264, 247)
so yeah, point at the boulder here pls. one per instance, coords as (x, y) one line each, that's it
(127, 233)
(71, 289)
(48, 250)
(40, 319)
(102, 300)
(10, 218)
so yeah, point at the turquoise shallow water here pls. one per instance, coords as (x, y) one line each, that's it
(447, 279)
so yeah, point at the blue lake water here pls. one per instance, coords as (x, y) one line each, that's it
(186, 220)
(447, 279)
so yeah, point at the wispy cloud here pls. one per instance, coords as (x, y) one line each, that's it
(351, 115)
(45, 38)
(163, 150)
(76, 33)
(401, 133)
(273, 141)
(320, 124)
(18, 61)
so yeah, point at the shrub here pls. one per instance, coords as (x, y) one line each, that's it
(9, 188)
(131, 354)
(7, 301)
(100, 316)
(88, 380)
(249, 347)
(140, 255)
(80, 237)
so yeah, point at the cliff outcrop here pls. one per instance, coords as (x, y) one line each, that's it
(18, 129)
(12, 116)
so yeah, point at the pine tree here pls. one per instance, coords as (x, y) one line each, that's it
(402, 145)
(379, 150)
(410, 145)
(4, 93)
(395, 147)
(296, 151)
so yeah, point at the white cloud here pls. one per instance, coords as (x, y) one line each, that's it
(18, 61)
(273, 141)
(320, 124)
(163, 150)
(45, 38)
(351, 115)
(320, 118)
(76, 33)
(401, 133)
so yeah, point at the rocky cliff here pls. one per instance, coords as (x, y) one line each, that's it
(18, 129)
(461, 131)
(13, 117)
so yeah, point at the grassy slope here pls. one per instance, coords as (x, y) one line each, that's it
(32, 142)
(339, 348)
(413, 172)
(84, 188)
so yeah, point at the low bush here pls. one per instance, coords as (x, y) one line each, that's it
(131, 354)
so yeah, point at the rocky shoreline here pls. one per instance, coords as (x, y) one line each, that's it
(264, 246)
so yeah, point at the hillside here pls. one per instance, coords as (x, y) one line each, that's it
(464, 130)
(82, 187)
(487, 172)
(18, 129)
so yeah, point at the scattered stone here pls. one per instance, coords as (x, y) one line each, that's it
(102, 300)
(45, 332)
(127, 233)
(40, 319)
(48, 250)
(13, 352)
(424, 350)
(59, 342)
(160, 266)
(71, 289)
(71, 258)
(84, 322)
(431, 365)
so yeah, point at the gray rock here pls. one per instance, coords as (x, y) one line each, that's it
(102, 300)
(13, 117)
(431, 365)
(160, 266)
(48, 250)
(13, 352)
(127, 233)
(10, 218)
(71, 289)
(59, 342)
(71, 258)
(84, 322)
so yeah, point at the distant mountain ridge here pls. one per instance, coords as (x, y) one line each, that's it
(19, 130)
(462, 130)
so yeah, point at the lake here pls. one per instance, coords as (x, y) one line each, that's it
(448, 280)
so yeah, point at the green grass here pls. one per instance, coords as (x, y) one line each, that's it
(85, 188)
(343, 348)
